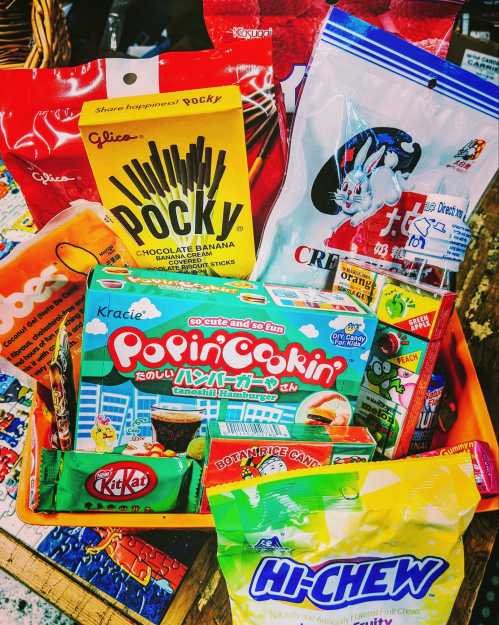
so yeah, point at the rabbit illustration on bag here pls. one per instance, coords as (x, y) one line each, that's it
(368, 186)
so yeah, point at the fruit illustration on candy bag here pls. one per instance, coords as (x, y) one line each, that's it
(397, 306)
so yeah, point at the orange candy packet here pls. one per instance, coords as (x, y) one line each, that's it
(43, 281)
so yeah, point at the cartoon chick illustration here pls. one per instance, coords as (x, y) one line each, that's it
(351, 328)
(385, 375)
(103, 434)
(266, 465)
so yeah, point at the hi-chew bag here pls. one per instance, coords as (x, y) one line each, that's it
(382, 129)
(41, 143)
(43, 281)
(361, 544)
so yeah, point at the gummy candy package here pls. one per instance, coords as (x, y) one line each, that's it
(361, 544)
(384, 133)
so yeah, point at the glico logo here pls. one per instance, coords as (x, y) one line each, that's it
(238, 352)
(45, 178)
(338, 584)
(107, 136)
(121, 481)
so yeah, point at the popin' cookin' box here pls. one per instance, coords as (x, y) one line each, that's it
(194, 348)
(239, 451)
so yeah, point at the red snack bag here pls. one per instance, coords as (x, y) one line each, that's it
(41, 144)
(294, 24)
(425, 23)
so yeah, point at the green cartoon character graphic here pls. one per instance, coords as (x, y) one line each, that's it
(385, 375)
(398, 305)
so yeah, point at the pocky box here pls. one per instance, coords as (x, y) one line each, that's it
(172, 172)
(240, 451)
(161, 348)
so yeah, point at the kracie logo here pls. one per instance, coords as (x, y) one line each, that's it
(45, 178)
(36, 290)
(238, 352)
(338, 584)
(108, 136)
(122, 481)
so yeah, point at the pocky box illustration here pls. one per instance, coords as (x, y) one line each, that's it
(164, 352)
(172, 173)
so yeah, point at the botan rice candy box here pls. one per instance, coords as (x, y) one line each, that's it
(172, 172)
(239, 451)
(206, 347)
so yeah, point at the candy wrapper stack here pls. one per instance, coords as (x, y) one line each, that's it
(227, 332)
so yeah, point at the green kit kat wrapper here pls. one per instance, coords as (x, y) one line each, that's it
(74, 481)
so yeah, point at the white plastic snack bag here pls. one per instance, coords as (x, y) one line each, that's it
(382, 128)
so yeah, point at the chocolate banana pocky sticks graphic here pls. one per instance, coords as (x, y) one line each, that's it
(172, 173)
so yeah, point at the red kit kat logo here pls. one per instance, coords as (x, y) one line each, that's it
(122, 481)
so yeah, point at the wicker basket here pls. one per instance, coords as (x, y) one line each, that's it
(33, 33)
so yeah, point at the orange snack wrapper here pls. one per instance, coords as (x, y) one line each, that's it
(43, 281)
